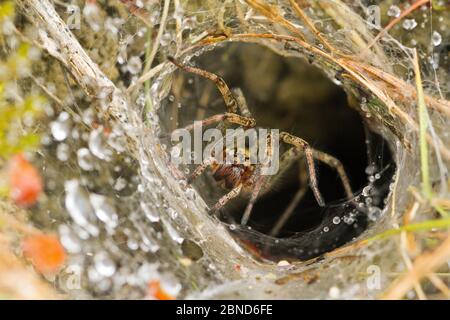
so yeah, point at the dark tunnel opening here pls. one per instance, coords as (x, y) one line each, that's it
(291, 95)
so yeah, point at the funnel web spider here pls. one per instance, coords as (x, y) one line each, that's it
(245, 177)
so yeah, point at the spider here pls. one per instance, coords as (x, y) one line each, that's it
(244, 177)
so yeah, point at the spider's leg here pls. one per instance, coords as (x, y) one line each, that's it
(201, 168)
(293, 154)
(303, 145)
(294, 202)
(228, 97)
(224, 200)
(248, 210)
(337, 165)
(259, 180)
(242, 103)
(230, 117)
(287, 159)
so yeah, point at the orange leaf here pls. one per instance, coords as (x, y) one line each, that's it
(45, 252)
(25, 181)
(157, 292)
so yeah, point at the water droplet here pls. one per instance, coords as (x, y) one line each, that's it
(409, 24)
(336, 220)
(394, 11)
(118, 141)
(150, 213)
(183, 184)
(172, 213)
(139, 4)
(348, 220)
(283, 264)
(79, 206)
(173, 234)
(165, 39)
(104, 265)
(85, 159)
(88, 116)
(133, 244)
(334, 293)
(69, 240)
(60, 128)
(62, 152)
(436, 38)
(190, 193)
(371, 169)
(134, 65)
(326, 229)
(232, 227)
(91, 13)
(336, 81)
(374, 213)
(98, 145)
(120, 184)
(170, 284)
(366, 190)
(104, 209)
(103, 285)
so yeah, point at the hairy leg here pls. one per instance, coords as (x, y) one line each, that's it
(224, 200)
(303, 145)
(228, 97)
(201, 168)
(294, 202)
(229, 117)
(337, 165)
(242, 103)
(258, 181)
(255, 192)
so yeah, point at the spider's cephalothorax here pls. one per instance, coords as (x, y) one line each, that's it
(243, 176)
(238, 172)
(232, 175)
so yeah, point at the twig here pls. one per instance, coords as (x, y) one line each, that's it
(438, 283)
(402, 88)
(60, 43)
(157, 40)
(178, 25)
(221, 16)
(298, 10)
(146, 76)
(423, 265)
(407, 243)
(408, 239)
(141, 13)
(413, 227)
(424, 122)
(423, 125)
(271, 13)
